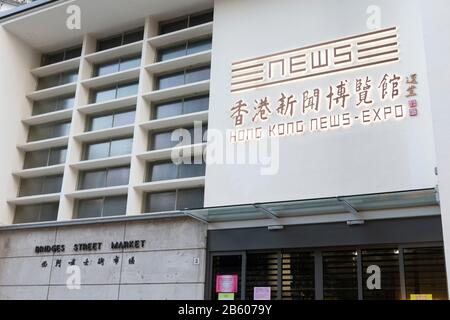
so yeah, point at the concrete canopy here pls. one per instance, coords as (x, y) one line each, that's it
(44, 28)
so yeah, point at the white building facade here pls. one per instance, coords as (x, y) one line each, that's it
(158, 150)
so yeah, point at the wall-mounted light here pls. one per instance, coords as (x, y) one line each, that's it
(355, 222)
(275, 228)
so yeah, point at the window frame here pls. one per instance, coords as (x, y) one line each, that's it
(116, 87)
(147, 200)
(57, 106)
(48, 152)
(103, 199)
(55, 125)
(151, 142)
(109, 141)
(188, 19)
(114, 113)
(116, 62)
(122, 35)
(60, 82)
(185, 72)
(106, 171)
(178, 168)
(41, 207)
(182, 101)
(42, 185)
(64, 52)
(186, 45)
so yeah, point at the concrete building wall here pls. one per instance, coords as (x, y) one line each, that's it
(363, 158)
(436, 27)
(16, 61)
(170, 266)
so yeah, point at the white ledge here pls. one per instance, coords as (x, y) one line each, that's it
(95, 193)
(180, 63)
(117, 52)
(44, 144)
(40, 172)
(102, 163)
(126, 75)
(195, 182)
(46, 198)
(49, 117)
(178, 152)
(108, 105)
(174, 122)
(57, 67)
(53, 92)
(200, 87)
(181, 35)
(105, 133)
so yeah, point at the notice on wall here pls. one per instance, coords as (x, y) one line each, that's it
(262, 293)
(227, 284)
(421, 297)
(226, 296)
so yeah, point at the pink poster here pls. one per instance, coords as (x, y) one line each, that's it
(262, 293)
(227, 284)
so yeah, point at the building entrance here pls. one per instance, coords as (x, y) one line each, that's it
(415, 272)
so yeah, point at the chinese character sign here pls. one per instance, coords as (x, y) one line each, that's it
(348, 102)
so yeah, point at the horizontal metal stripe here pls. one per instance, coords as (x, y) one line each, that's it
(247, 67)
(377, 39)
(316, 45)
(316, 74)
(246, 74)
(247, 81)
(378, 47)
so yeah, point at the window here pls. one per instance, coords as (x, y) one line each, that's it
(36, 213)
(109, 177)
(298, 276)
(388, 261)
(54, 104)
(45, 158)
(180, 107)
(175, 200)
(120, 39)
(59, 56)
(346, 273)
(425, 272)
(184, 49)
(39, 186)
(101, 207)
(162, 140)
(57, 79)
(185, 22)
(116, 92)
(262, 271)
(201, 18)
(118, 65)
(227, 265)
(189, 199)
(168, 171)
(184, 77)
(115, 119)
(110, 148)
(127, 90)
(340, 277)
(180, 136)
(121, 147)
(48, 131)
